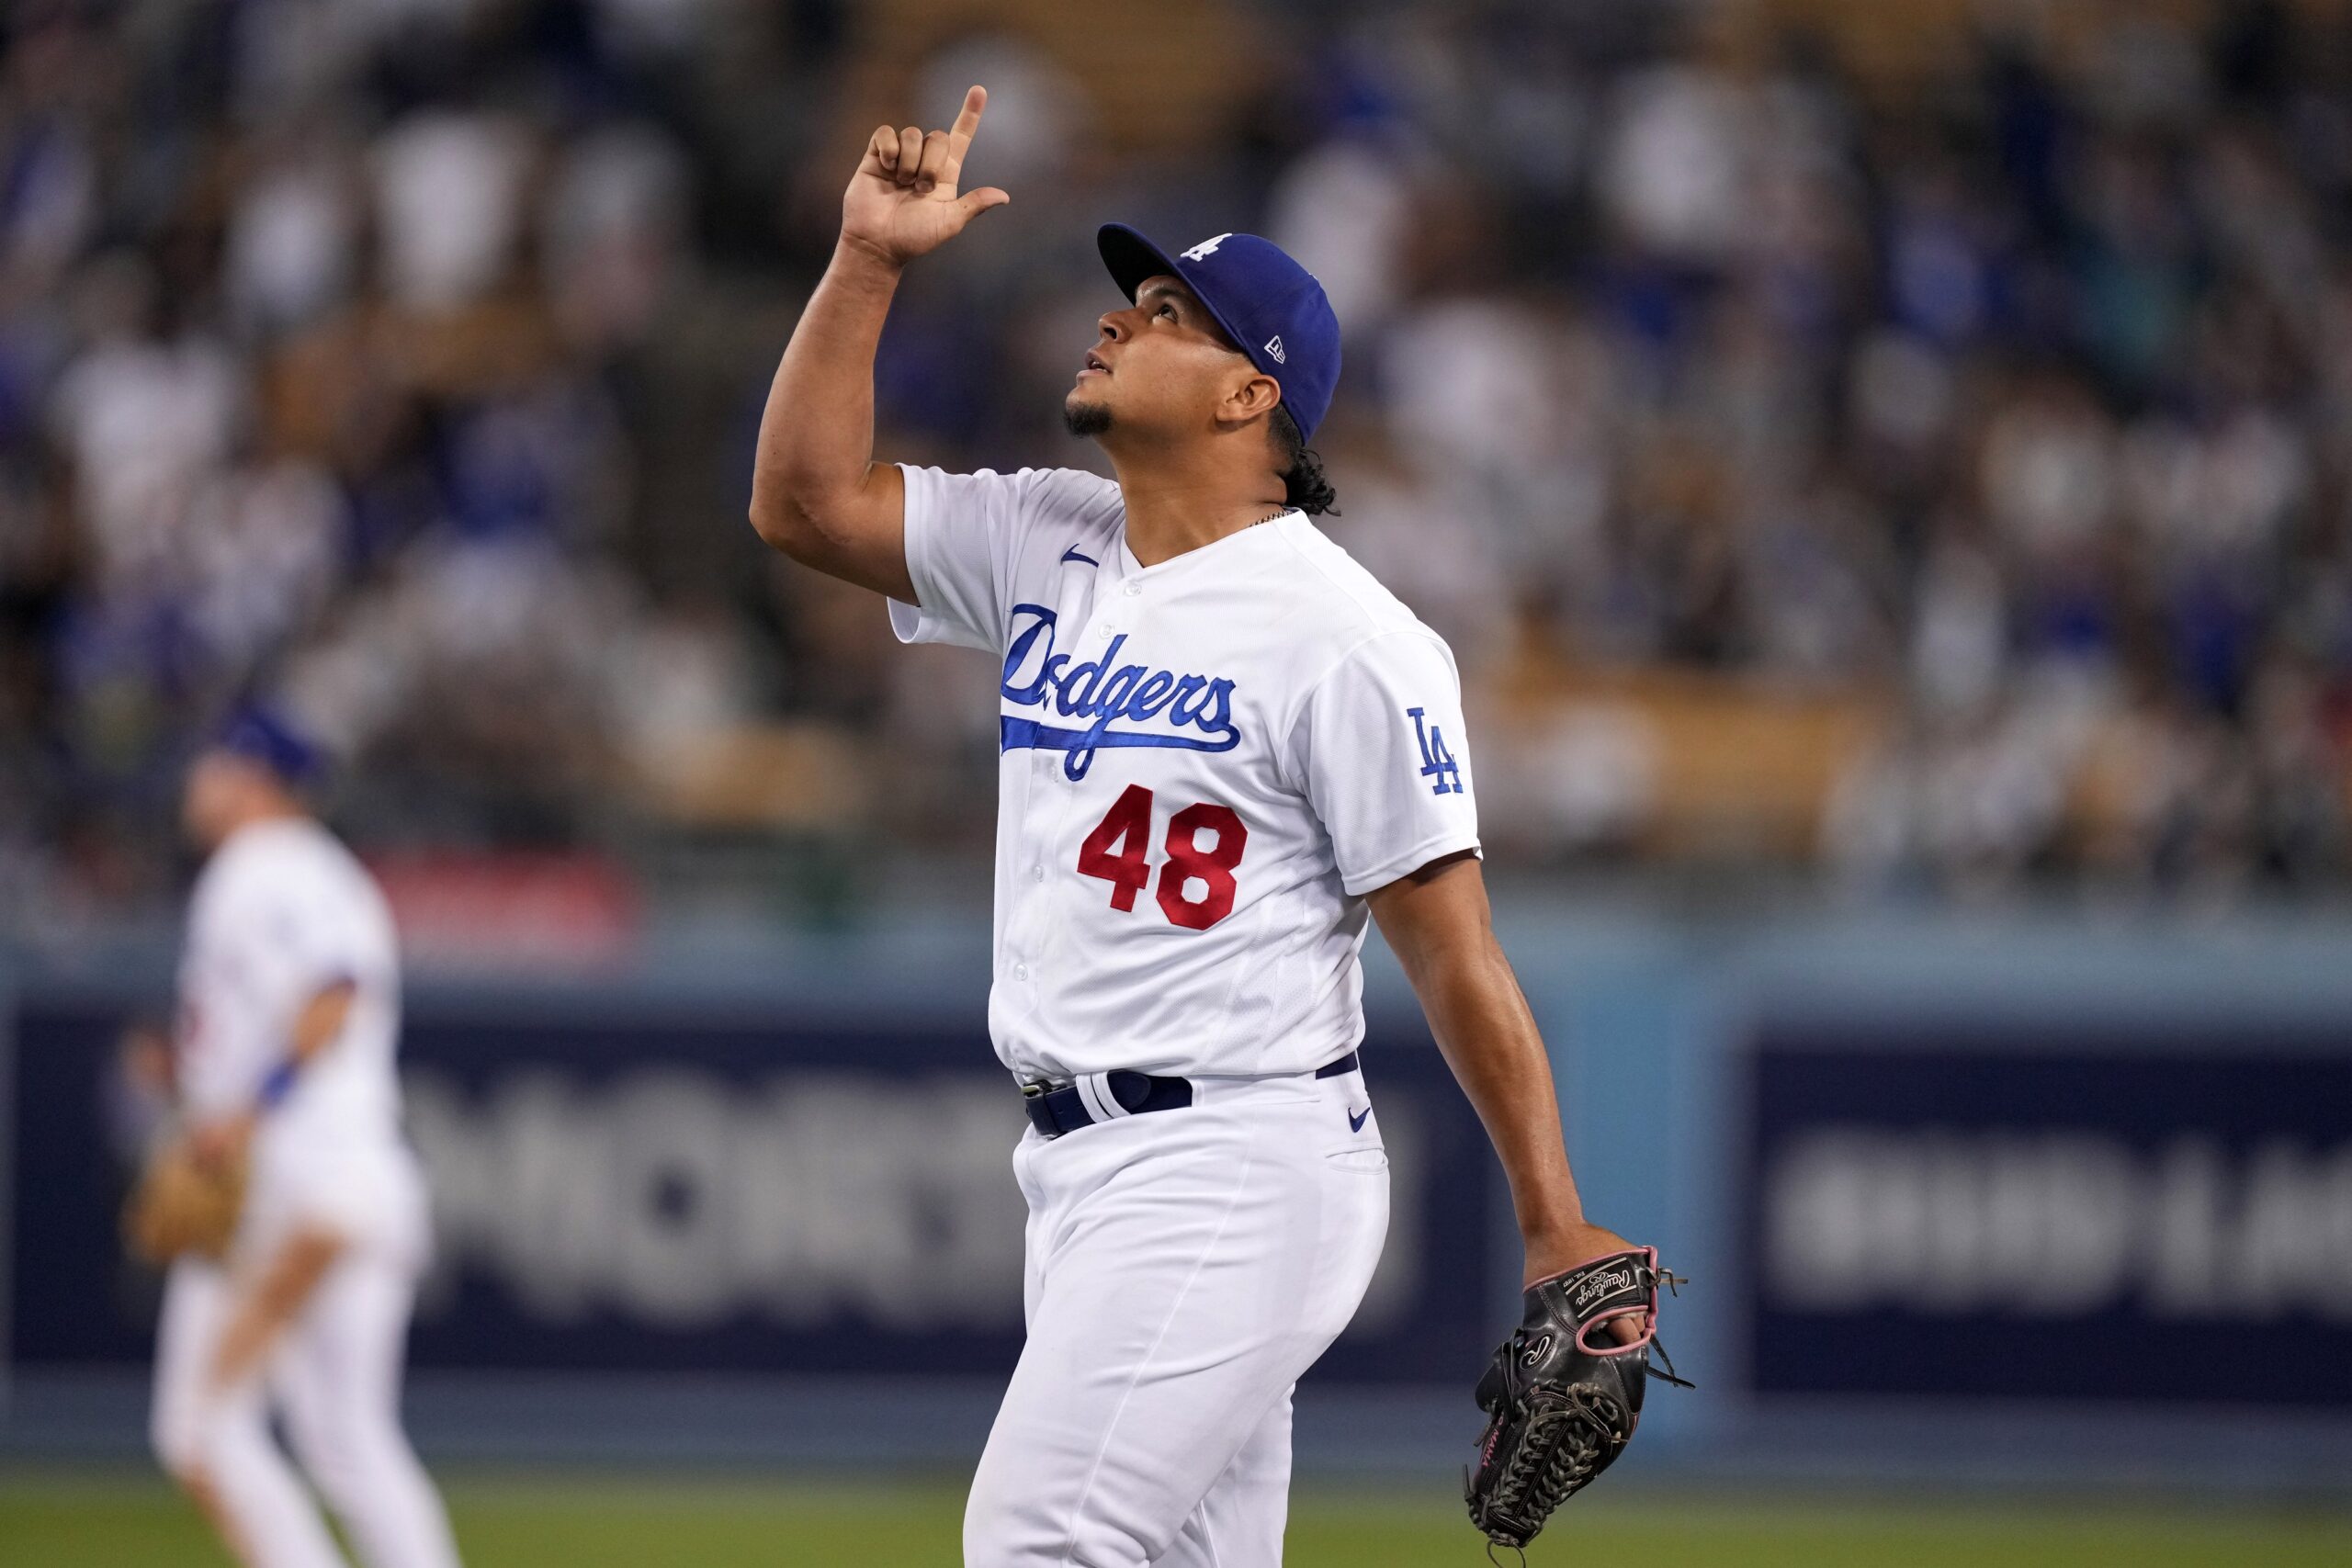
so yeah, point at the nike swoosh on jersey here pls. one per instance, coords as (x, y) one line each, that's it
(1074, 553)
(1356, 1119)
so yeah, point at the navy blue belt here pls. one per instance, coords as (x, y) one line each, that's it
(1056, 1108)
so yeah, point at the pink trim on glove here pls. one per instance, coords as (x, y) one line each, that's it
(1648, 1314)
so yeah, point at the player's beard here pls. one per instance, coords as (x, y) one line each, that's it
(1086, 419)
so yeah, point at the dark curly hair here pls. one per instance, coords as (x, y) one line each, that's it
(1304, 485)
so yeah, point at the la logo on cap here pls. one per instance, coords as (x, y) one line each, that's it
(1207, 247)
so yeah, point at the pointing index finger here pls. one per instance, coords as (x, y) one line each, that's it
(967, 121)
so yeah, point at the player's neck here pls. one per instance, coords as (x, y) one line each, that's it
(257, 813)
(1174, 507)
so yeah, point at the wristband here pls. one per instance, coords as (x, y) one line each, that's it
(277, 1085)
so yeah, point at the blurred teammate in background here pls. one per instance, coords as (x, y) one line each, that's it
(1225, 747)
(283, 1055)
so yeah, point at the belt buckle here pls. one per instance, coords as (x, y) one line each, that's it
(1035, 1087)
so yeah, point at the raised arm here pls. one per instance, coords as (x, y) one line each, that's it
(1437, 922)
(817, 493)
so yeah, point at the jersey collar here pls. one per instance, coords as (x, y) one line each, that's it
(1229, 546)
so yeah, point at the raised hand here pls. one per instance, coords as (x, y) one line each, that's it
(902, 201)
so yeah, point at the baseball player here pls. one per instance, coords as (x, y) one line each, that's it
(288, 1010)
(1224, 748)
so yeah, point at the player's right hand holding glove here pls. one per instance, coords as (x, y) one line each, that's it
(1564, 1393)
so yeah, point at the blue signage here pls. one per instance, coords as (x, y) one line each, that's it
(1964, 1218)
(623, 1188)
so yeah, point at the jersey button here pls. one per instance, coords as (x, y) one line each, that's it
(1134, 590)
(1036, 873)
(1021, 971)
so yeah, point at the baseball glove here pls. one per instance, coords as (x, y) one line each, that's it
(185, 1204)
(1561, 1397)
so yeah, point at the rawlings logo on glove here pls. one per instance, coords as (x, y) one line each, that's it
(1561, 1407)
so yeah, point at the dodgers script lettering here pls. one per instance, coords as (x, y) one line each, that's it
(1104, 693)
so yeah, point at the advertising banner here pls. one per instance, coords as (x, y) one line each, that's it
(622, 1187)
(2066, 1218)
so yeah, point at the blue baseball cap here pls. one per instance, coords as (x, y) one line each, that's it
(1269, 305)
(263, 734)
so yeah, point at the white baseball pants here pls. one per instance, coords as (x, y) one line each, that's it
(335, 1377)
(1185, 1268)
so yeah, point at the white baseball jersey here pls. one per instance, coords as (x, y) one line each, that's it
(1204, 764)
(281, 911)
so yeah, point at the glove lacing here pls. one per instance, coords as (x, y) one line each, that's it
(1542, 1475)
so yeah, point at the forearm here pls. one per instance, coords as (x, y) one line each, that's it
(1488, 1034)
(817, 493)
(817, 432)
(275, 1298)
(1438, 922)
(319, 1024)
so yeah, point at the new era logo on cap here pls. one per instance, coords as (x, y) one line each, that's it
(1259, 295)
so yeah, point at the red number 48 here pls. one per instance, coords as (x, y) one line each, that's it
(1117, 849)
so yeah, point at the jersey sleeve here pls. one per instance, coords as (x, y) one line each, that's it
(305, 931)
(328, 943)
(1385, 760)
(962, 532)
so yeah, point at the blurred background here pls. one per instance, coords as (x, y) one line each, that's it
(1884, 469)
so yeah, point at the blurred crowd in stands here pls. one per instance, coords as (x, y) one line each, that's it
(1933, 474)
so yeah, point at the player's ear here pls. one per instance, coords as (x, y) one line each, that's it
(1250, 397)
